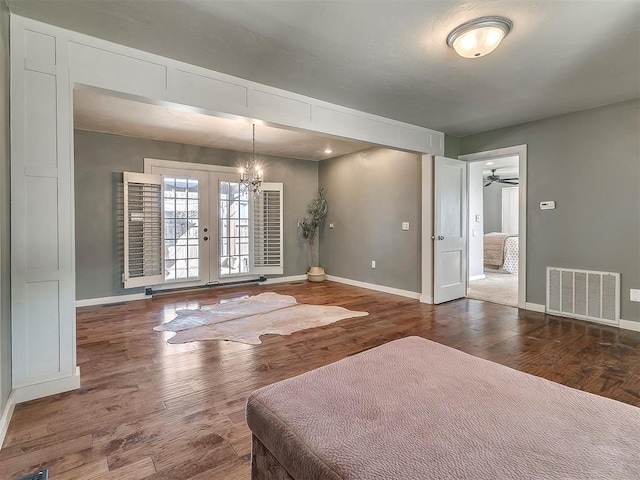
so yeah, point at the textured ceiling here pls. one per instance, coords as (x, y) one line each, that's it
(388, 57)
(97, 112)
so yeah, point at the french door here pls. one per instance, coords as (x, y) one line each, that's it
(212, 229)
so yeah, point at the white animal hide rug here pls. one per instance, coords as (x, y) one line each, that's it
(245, 319)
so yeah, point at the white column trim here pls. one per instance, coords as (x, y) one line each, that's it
(7, 413)
(44, 389)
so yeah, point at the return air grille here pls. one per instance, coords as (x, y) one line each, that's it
(584, 294)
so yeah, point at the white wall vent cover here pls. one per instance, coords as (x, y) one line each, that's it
(584, 294)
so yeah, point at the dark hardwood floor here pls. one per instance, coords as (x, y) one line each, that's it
(148, 409)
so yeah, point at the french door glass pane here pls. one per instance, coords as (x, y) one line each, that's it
(234, 229)
(181, 217)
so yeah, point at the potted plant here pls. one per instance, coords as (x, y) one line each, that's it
(309, 226)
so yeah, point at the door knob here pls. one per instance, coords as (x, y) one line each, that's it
(206, 238)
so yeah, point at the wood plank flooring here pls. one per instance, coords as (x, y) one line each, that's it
(150, 410)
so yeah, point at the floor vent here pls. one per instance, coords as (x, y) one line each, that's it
(584, 294)
(41, 475)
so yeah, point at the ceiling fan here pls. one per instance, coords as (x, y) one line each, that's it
(493, 178)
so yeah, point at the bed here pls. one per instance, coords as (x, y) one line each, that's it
(501, 251)
(413, 409)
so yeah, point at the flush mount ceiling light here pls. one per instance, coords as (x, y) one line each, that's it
(328, 150)
(479, 37)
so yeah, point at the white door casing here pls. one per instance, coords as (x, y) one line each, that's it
(450, 229)
(521, 152)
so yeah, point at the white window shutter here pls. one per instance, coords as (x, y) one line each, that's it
(267, 230)
(143, 243)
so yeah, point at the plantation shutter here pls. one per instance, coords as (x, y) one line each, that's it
(142, 230)
(267, 230)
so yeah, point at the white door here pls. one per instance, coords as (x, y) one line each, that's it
(450, 230)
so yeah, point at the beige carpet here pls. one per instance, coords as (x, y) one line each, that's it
(497, 287)
(245, 319)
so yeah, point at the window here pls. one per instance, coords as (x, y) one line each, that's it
(142, 230)
(234, 228)
(181, 212)
(194, 226)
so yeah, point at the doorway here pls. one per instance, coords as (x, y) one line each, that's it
(496, 246)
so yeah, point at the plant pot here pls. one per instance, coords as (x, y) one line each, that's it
(316, 274)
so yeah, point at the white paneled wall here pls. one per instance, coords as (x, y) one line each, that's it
(43, 319)
(46, 63)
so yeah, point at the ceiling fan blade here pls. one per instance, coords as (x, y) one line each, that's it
(514, 178)
(508, 182)
(487, 184)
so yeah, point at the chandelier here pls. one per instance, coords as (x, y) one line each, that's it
(250, 173)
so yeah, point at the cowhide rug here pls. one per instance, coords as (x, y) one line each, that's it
(245, 319)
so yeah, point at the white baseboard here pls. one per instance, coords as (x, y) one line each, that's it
(477, 277)
(426, 299)
(373, 286)
(7, 413)
(630, 325)
(535, 307)
(89, 302)
(292, 278)
(44, 389)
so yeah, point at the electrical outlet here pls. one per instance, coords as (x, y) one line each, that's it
(634, 295)
(331, 225)
(405, 225)
(373, 264)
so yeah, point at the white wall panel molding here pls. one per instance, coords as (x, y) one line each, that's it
(103, 64)
(43, 323)
(46, 63)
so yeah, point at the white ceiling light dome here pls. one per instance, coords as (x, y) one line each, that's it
(479, 37)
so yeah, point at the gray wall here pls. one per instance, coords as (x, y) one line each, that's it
(589, 163)
(451, 146)
(100, 160)
(5, 159)
(370, 194)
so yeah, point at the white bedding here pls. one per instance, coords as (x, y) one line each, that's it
(511, 255)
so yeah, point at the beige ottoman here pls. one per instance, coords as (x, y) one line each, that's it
(416, 410)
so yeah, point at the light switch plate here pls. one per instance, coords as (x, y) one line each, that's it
(405, 225)
(634, 295)
(477, 218)
(331, 225)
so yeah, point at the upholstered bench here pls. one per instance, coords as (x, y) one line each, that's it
(414, 410)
